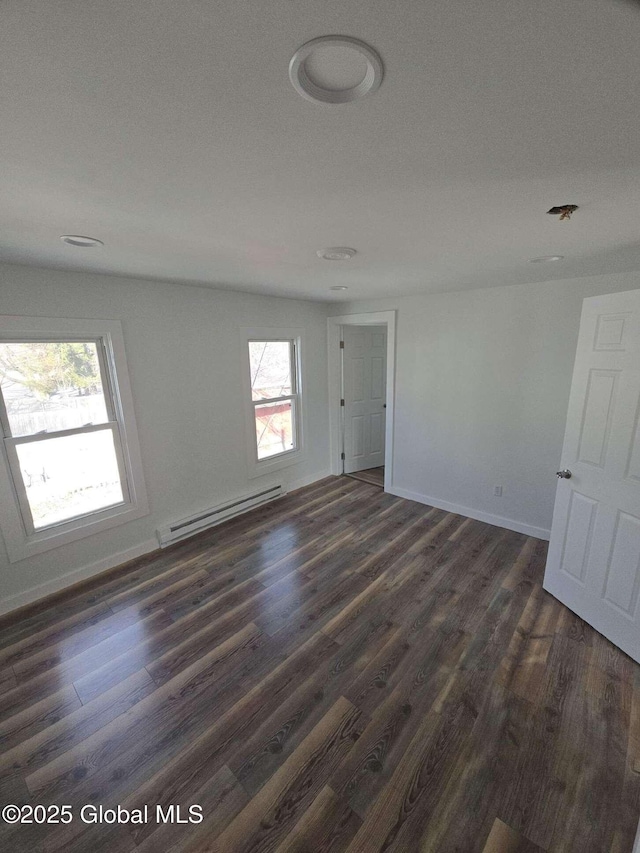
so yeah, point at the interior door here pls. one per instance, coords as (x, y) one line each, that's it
(364, 392)
(594, 555)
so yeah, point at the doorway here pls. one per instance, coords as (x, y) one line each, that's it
(362, 373)
(364, 358)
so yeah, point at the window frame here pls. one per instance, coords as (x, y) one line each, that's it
(258, 467)
(22, 539)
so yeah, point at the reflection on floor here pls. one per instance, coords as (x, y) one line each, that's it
(374, 476)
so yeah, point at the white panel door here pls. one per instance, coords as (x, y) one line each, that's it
(594, 555)
(364, 391)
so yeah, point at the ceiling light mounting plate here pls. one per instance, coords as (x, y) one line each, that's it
(336, 253)
(80, 241)
(353, 49)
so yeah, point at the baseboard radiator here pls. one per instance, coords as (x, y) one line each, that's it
(216, 515)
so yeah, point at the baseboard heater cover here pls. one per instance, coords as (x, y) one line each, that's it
(186, 527)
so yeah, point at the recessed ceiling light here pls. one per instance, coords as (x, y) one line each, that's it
(546, 258)
(338, 287)
(335, 70)
(336, 253)
(83, 242)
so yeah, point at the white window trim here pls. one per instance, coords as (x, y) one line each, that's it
(19, 542)
(256, 467)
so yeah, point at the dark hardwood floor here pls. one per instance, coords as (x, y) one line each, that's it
(374, 476)
(342, 670)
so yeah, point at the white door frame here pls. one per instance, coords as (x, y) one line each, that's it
(376, 318)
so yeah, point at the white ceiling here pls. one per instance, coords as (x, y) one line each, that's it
(170, 131)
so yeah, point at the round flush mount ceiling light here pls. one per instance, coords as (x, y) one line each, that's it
(335, 70)
(338, 287)
(82, 242)
(547, 259)
(336, 253)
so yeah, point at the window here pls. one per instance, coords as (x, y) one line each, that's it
(69, 439)
(273, 394)
(273, 391)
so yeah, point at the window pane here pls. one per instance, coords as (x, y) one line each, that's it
(271, 374)
(70, 476)
(274, 428)
(51, 386)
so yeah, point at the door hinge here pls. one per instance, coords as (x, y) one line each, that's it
(341, 344)
(342, 456)
(342, 402)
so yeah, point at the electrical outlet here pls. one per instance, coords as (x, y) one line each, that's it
(497, 491)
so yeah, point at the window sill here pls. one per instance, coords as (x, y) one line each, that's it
(259, 469)
(20, 547)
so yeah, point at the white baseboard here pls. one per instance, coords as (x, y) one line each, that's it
(29, 596)
(307, 481)
(469, 512)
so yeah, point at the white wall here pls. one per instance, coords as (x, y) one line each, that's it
(482, 387)
(482, 384)
(183, 352)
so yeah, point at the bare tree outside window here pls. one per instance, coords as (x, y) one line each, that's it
(274, 396)
(60, 428)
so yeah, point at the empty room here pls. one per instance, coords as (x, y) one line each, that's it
(320, 410)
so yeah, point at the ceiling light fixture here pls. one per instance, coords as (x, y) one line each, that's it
(82, 242)
(546, 258)
(335, 70)
(336, 253)
(338, 287)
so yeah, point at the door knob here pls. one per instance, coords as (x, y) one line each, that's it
(565, 474)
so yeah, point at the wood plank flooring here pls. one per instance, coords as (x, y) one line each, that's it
(341, 670)
(374, 476)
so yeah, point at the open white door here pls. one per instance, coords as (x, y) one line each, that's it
(364, 392)
(594, 555)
